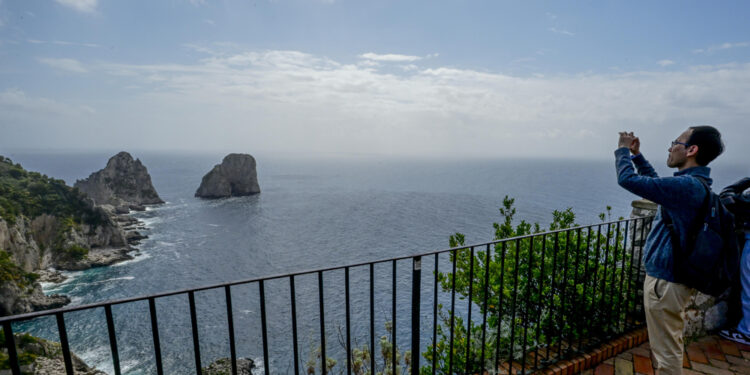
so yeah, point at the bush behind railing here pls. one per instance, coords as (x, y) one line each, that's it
(553, 293)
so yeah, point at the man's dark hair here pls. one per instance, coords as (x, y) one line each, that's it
(709, 143)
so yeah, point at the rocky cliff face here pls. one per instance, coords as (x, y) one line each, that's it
(124, 183)
(235, 176)
(49, 241)
(41, 357)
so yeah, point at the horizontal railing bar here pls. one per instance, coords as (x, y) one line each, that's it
(37, 314)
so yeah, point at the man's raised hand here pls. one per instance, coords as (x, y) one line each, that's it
(626, 139)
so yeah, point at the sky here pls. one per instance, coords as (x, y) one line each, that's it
(424, 79)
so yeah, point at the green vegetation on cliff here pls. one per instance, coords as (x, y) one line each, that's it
(32, 194)
(11, 272)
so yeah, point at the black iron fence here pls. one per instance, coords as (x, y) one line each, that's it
(524, 303)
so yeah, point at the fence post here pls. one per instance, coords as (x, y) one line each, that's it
(416, 278)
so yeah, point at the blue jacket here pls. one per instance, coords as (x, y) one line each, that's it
(681, 196)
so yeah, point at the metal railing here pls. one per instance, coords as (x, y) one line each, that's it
(541, 298)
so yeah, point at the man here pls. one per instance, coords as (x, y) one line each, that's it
(736, 198)
(681, 197)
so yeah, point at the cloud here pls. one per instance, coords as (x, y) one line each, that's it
(389, 57)
(210, 22)
(62, 43)
(292, 101)
(15, 102)
(551, 16)
(665, 62)
(83, 6)
(720, 47)
(69, 65)
(561, 31)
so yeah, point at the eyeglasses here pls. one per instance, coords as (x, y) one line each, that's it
(675, 143)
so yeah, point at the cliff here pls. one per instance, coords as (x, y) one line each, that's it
(47, 224)
(124, 183)
(235, 176)
(39, 356)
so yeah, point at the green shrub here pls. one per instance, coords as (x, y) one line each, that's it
(76, 252)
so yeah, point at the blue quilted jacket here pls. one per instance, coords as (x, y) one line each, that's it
(680, 195)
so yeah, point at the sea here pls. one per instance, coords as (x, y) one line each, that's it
(313, 212)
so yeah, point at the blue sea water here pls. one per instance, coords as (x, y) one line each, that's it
(313, 212)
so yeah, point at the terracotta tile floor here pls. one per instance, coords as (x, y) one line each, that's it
(709, 355)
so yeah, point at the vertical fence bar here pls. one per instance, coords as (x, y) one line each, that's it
(64, 343)
(468, 320)
(486, 300)
(631, 297)
(595, 283)
(501, 293)
(155, 335)
(372, 318)
(603, 297)
(621, 297)
(393, 325)
(574, 304)
(293, 294)
(434, 317)
(612, 285)
(348, 323)
(264, 326)
(112, 338)
(540, 304)
(513, 305)
(323, 359)
(194, 325)
(453, 305)
(527, 303)
(416, 280)
(230, 326)
(10, 343)
(555, 249)
(563, 311)
(585, 285)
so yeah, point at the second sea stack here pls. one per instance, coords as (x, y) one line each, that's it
(235, 176)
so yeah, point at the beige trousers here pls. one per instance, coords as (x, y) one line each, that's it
(665, 303)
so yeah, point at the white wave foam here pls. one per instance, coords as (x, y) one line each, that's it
(96, 356)
(127, 365)
(214, 225)
(106, 280)
(70, 276)
(138, 258)
(149, 221)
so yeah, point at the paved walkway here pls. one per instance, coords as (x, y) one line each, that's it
(710, 355)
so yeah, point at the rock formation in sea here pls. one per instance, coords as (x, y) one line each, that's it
(124, 183)
(235, 176)
(223, 366)
(46, 224)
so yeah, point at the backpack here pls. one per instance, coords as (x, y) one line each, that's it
(711, 261)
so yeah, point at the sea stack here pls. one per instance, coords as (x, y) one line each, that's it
(124, 183)
(234, 177)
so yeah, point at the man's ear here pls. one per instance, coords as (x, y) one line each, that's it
(692, 151)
